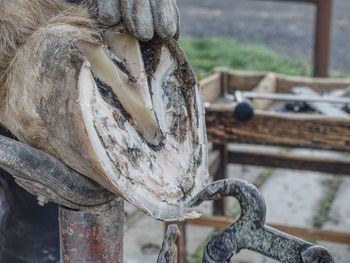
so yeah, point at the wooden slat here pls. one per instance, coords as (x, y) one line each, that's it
(322, 37)
(219, 206)
(290, 161)
(291, 130)
(303, 1)
(211, 87)
(286, 83)
(266, 85)
(212, 221)
(248, 80)
(214, 162)
(241, 80)
(314, 234)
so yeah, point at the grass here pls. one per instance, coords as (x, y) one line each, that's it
(198, 256)
(325, 205)
(208, 53)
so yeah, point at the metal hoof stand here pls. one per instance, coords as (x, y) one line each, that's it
(91, 230)
(93, 234)
(91, 218)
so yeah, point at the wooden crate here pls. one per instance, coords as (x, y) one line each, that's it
(293, 130)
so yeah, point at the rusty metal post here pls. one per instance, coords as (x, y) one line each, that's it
(94, 234)
(322, 37)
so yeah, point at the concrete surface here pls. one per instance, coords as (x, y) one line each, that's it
(339, 220)
(292, 197)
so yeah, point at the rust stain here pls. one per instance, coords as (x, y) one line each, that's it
(88, 237)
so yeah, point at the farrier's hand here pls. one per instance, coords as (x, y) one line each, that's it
(142, 18)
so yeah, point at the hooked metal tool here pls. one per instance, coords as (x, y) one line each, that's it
(250, 231)
(168, 252)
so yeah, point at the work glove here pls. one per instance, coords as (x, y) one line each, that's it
(142, 18)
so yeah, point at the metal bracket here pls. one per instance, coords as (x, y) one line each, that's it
(250, 231)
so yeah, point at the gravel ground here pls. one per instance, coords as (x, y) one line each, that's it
(285, 27)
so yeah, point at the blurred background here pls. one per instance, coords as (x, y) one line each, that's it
(267, 34)
(253, 35)
(264, 36)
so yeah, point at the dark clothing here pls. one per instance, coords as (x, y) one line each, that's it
(29, 233)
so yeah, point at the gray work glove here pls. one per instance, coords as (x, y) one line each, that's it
(142, 18)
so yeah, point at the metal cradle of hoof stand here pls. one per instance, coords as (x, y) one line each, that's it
(91, 218)
(313, 131)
